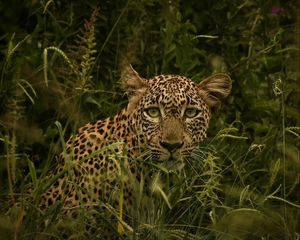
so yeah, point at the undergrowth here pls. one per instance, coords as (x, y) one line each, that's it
(60, 71)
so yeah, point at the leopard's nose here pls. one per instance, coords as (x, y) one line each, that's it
(171, 146)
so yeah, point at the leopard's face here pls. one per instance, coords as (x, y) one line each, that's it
(172, 115)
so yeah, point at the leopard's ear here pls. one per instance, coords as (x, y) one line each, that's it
(134, 85)
(214, 89)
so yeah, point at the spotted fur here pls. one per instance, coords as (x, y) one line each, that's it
(166, 118)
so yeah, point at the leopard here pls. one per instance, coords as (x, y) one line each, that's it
(165, 120)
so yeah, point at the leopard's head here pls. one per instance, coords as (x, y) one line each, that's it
(172, 113)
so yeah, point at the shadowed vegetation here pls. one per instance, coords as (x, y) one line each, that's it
(60, 68)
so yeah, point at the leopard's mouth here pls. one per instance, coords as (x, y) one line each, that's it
(167, 160)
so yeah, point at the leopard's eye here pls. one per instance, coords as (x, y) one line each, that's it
(191, 112)
(153, 112)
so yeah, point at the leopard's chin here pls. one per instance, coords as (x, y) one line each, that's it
(174, 165)
(172, 162)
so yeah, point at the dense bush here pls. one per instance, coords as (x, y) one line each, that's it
(61, 63)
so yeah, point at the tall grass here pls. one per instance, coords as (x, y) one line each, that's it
(61, 71)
